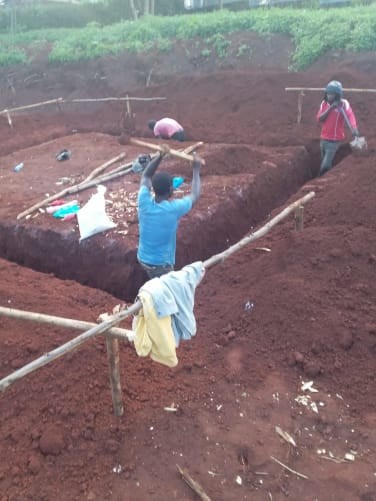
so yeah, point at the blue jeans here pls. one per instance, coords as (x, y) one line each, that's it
(328, 151)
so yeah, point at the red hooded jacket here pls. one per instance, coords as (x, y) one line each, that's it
(333, 128)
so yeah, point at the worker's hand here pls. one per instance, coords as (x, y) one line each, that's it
(164, 150)
(335, 104)
(355, 133)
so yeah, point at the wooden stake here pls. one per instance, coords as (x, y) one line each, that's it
(114, 370)
(128, 105)
(61, 322)
(259, 233)
(300, 106)
(9, 120)
(193, 484)
(172, 152)
(299, 218)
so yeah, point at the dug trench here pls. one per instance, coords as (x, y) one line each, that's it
(241, 186)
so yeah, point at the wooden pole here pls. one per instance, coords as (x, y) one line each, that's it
(172, 152)
(105, 99)
(58, 101)
(69, 346)
(112, 346)
(193, 484)
(61, 322)
(135, 308)
(321, 89)
(300, 106)
(128, 105)
(35, 105)
(299, 218)
(193, 147)
(66, 191)
(103, 167)
(259, 233)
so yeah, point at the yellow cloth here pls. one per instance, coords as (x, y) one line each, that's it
(154, 336)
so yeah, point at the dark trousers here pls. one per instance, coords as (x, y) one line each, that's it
(179, 136)
(328, 151)
(156, 271)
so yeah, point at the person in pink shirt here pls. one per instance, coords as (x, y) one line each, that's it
(167, 128)
(331, 116)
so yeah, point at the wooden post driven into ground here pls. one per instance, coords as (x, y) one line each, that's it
(302, 90)
(112, 348)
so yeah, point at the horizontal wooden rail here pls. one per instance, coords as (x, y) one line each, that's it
(322, 89)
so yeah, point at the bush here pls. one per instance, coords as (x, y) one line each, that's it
(314, 31)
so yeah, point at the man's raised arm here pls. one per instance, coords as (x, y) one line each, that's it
(196, 182)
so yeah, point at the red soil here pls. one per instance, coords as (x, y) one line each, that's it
(313, 319)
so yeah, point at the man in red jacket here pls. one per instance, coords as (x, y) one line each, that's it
(331, 116)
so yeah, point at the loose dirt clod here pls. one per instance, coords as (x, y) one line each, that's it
(51, 441)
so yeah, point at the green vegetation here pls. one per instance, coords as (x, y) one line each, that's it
(313, 31)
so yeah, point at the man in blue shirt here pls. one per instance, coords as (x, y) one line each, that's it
(159, 216)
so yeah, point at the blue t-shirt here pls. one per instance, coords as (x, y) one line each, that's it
(158, 223)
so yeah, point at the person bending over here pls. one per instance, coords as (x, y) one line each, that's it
(167, 128)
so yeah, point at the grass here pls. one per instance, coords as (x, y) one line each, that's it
(313, 31)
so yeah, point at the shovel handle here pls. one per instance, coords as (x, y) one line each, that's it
(172, 152)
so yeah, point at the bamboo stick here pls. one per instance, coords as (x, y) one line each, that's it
(193, 484)
(35, 105)
(135, 308)
(103, 167)
(172, 152)
(104, 99)
(193, 147)
(322, 89)
(60, 100)
(259, 233)
(67, 347)
(66, 191)
(112, 346)
(61, 322)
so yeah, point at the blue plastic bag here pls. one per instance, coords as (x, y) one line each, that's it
(72, 209)
(177, 181)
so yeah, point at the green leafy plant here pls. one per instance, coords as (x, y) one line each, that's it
(206, 52)
(313, 30)
(242, 50)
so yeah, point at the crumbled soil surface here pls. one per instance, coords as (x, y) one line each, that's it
(268, 320)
